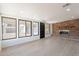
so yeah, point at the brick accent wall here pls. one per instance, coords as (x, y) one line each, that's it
(72, 25)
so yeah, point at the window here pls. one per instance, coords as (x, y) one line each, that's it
(35, 28)
(47, 28)
(21, 27)
(28, 28)
(0, 30)
(8, 28)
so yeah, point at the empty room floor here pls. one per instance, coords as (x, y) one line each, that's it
(52, 46)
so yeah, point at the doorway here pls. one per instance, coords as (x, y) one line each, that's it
(42, 30)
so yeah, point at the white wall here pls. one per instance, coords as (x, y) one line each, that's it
(12, 42)
(25, 12)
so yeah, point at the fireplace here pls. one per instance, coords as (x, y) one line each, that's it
(62, 32)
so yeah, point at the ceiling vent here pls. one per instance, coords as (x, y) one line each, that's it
(65, 5)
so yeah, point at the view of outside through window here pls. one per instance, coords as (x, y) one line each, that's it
(8, 27)
(24, 28)
(47, 28)
(35, 28)
(28, 28)
(21, 28)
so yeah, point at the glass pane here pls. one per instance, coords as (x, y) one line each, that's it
(21, 28)
(9, 28)
(28, 28)
(35, 28)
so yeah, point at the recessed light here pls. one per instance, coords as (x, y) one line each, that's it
(72, 17)
(68, 9)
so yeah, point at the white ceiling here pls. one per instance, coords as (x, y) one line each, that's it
(50, 12)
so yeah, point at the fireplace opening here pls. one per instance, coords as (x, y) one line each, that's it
(64, 34)
(61, 32)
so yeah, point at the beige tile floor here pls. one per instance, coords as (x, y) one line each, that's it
(53, 46)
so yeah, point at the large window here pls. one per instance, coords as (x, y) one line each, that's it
(47, 28)
(8, 28)
(21, 27)
(35, 28)
(28, 28)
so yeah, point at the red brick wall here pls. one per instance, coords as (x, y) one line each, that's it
(72, 25)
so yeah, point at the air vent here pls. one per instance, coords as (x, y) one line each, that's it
(67, 4)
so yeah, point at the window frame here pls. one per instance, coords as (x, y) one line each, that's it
(30, 28)
(2, 27)
(48, 28)
(18, 28)
(38, 28)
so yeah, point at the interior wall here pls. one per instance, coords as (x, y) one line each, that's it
(12, 42)
(30, 13)
(71, 25)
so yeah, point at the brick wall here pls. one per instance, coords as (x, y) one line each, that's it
(72, 25)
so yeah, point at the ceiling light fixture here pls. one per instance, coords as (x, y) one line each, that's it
(65, 5)
(68, 9)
